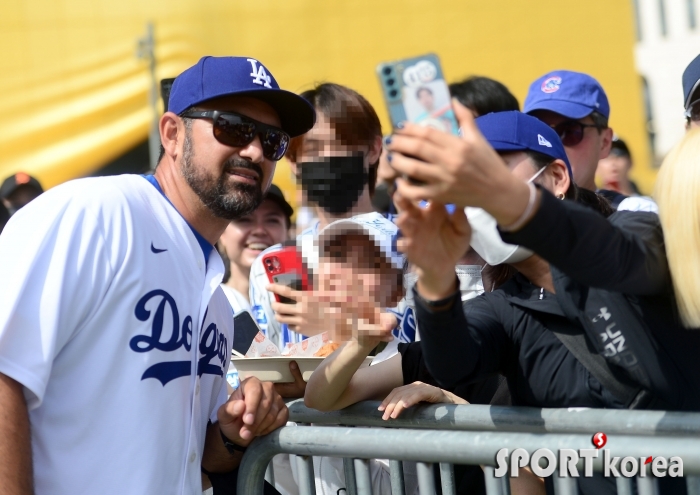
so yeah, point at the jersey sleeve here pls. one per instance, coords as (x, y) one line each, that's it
(54, 271)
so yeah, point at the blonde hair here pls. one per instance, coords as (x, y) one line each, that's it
(677, 193)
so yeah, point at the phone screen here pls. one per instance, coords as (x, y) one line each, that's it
(244, 331)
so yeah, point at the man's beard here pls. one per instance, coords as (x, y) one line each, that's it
(223, 200)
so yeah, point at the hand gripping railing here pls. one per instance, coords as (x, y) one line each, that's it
(498, 418)
(463, 447)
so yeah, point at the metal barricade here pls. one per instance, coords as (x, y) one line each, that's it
(462, 447)
(517, 419)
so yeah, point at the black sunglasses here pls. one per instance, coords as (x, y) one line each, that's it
(571, 131)
(693, 112)
(237, 130)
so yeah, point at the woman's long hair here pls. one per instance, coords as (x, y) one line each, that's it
(677, 193)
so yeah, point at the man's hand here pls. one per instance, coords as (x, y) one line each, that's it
(294, 389)
(254, 409)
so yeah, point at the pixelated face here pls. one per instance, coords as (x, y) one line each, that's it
(585, 155)
(426, 99)
(246, 237)
(613, 170)
(352, 264)
(322, 141)
(230, 181)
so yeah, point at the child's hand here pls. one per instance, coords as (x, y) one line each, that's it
(403, 397)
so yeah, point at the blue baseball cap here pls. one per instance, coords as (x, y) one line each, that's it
(572, 94)
(691, 81)
(516, 131)
(215, 77)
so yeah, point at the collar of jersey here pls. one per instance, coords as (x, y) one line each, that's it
(203, 243)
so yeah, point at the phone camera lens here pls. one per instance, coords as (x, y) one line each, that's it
(268, 262)
(393, 93)
(387, 71)
(390, 82)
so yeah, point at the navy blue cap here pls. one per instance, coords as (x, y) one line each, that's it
(516, 131)
(214, 77)
(691, 81)
(572, 94)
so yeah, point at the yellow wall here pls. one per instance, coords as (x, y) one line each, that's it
(73, 96)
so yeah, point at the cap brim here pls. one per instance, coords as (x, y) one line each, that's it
(296, 114)
(566, 108)
(341, 227)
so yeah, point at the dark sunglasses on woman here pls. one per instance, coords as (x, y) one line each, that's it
(237, 130)
(693, 112)
(571, 131)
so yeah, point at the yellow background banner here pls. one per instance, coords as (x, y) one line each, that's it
(74, 95)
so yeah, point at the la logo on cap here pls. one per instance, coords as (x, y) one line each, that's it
(551, 84)
(259, 74)
(543, 142)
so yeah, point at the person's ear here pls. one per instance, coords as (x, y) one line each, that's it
(605, 142)
(375, 150)
(559, 173)
(169, 127)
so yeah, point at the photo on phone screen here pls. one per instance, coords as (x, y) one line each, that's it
(244, 331)
(415, 90)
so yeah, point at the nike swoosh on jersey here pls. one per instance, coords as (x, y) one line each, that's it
(156, 250)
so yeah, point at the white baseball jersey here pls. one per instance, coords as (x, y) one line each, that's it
(261, 299)
(113, 320)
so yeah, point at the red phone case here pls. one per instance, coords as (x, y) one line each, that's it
(286, 267)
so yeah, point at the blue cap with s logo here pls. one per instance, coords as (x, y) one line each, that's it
(516, 131)
(216, 77)
(572, 94)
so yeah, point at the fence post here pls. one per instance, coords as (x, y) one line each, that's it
(363, 478)
(495, 486)
(564, 485)
(693, 483)
(398, 484)
(447, 478)
(426, 480)
(624, 486)
(349, 471)
(305, 467)
(647, 486)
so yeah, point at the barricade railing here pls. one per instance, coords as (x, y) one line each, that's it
(448, 447)
(474, 417)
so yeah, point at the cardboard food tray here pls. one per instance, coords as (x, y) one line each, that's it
(276, 369)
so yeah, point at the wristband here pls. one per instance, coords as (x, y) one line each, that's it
(230, 446)
(440, 304)
(526, 214)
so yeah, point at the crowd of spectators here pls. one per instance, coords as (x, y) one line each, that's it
(516, 263)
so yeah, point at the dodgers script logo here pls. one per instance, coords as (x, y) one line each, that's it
(213, 344)
(551, 84)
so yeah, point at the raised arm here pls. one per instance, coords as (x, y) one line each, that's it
(338, 382)
(624, 253)
(15, 447)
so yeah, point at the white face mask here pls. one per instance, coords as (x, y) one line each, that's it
(470, 282)
(486, 240)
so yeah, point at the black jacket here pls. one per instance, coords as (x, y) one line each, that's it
(605, 271)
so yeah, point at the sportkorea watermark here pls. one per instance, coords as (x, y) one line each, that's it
(567, 459)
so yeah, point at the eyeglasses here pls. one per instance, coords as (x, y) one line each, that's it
(693, 112)
(571, 131)
(237, 130)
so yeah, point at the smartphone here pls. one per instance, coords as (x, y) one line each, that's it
(415, 90)
(244, 331)
(286, 267)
